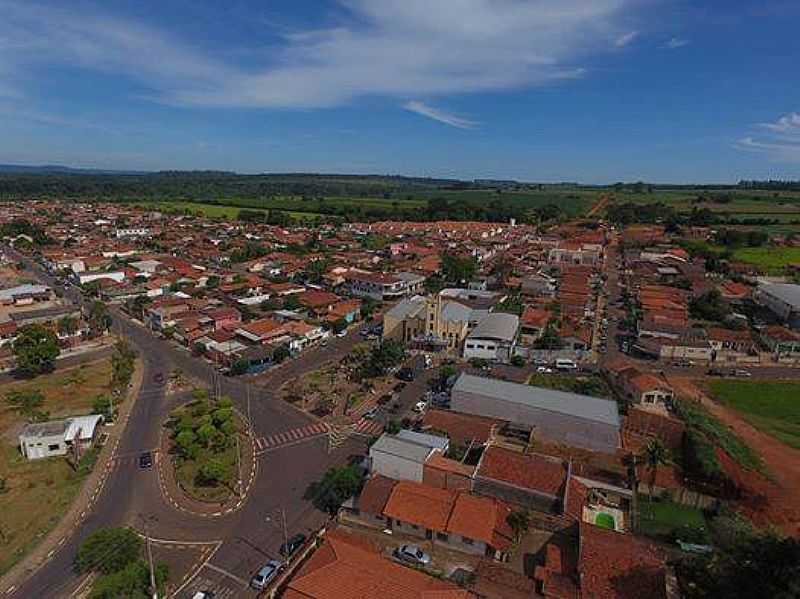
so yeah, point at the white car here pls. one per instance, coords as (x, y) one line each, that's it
(420, 406)
(342, 333)
(544, 370)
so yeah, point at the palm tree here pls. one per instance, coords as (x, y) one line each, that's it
(655, 454)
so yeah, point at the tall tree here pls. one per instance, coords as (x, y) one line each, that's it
(35, 350)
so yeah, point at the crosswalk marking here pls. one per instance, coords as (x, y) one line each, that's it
(291, 436)
(368, 427)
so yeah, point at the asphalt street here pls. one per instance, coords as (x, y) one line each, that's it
(132, 497)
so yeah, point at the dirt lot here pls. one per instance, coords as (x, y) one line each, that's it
(766, 501)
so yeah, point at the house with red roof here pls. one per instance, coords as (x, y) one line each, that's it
(347, 566)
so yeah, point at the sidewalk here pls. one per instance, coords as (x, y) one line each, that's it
(83, 502)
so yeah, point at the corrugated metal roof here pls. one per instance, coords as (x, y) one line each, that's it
(580, 406)
(786, 292)
(433, 441)
(401, 448)
(496, 326)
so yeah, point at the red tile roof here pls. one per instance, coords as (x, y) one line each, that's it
(346, 567)
(460, 428)
(614, 565)
(528, 471)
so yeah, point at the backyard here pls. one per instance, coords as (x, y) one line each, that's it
(771, 406)
(36, 494)
(668, 521)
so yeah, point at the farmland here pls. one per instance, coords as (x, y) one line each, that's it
(209, 210)
(771, 406)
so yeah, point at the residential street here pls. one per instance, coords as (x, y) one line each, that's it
(133, 497)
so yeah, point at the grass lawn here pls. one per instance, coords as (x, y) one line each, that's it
(770, 406)
(39, 492)
(661, 518)
(67, 393)
(186, 473)
(771, 258)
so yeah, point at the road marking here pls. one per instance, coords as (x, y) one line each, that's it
(241, 581)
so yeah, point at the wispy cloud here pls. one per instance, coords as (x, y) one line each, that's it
(439, 115)
(788, 125)
(677, 42)
(625, 39)
(380, 48)
(780, 141)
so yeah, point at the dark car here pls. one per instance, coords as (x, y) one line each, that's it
(159, 378)
(292, 545)
(405, 374)
(146, 460)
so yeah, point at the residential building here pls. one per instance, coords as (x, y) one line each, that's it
(403, 456)
(59, 437)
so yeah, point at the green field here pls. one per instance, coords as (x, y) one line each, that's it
(772, 407)
(663, 520)
(212, 210)
(574, 202)
(771, 258)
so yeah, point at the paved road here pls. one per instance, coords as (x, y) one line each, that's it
(132, 496)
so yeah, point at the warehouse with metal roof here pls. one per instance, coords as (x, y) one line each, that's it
(568, 418)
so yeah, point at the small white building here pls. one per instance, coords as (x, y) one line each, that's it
(403, 456)
(494, 338)
(58, 437)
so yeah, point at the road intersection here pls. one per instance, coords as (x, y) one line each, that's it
(239, 542)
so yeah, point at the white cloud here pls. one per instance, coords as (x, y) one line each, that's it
(781, 141)
(677, 42)
(626, 39)
(439, 115)
(788, 125)
(381, 48)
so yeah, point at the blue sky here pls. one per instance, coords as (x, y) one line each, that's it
(564, 90)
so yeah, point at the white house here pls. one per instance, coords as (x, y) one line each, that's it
(403, 456)
(58, 437)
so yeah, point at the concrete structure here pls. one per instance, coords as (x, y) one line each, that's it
(577, 420)
(403, 456)
(494, 338)
(58, 437)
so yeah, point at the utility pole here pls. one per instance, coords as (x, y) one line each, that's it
(153, 586)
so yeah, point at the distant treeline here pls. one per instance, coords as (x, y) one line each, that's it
(771, 185)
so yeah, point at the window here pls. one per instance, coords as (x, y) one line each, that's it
(470, 346)
(442, 536)
(467, 541)
(55, 447)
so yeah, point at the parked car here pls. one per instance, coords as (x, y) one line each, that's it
(544, 370)
(293, 544)
(420, 406)
(146, 460)
(370, 414)
(405, 374)
(203, 595)
(342, 333)
(266, 574)
(413, 555)
(743, 373)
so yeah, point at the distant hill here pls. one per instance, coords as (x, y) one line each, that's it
(45, 169)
